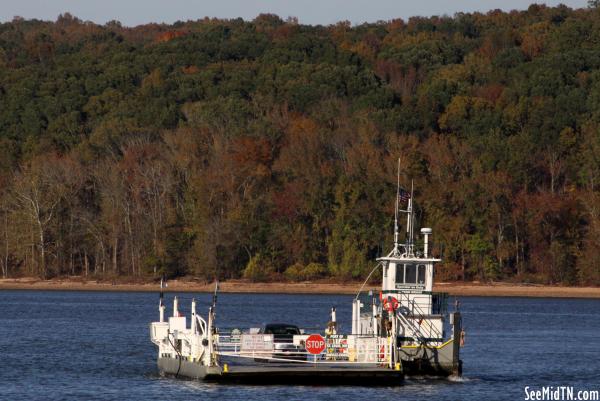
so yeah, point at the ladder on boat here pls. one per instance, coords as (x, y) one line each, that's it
(415, 318)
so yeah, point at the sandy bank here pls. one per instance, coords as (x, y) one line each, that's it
(458, 289)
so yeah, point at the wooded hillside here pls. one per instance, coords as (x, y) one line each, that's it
(269, 148)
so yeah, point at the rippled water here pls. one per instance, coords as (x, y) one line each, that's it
(95, 346)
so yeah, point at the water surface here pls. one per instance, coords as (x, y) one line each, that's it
(95, 346)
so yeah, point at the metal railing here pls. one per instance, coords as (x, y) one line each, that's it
(439, 303)
(418, 313)
(358, 350)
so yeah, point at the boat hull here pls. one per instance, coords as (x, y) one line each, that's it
(430, 361)
(282, 374)
(184, 368)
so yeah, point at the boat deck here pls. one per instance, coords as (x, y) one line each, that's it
(307, 374)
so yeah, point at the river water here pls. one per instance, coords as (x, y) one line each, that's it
(95, 346)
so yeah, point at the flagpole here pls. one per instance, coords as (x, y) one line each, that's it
(412, 219)
(408, 246)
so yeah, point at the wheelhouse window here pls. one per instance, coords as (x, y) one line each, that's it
(399, 274)
(421, 274)
(410, 274)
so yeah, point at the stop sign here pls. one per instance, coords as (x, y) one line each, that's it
(315, 344)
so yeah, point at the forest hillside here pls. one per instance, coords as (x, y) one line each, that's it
(267, 149)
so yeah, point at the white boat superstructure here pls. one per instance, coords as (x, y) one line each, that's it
(427, 338)
(182, 349)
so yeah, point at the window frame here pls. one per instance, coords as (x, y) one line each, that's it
(421, 268)
(420, 272)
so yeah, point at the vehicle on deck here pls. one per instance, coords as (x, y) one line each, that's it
(283, 342)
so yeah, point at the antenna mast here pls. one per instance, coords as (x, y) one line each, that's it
(396, 252)
(411, 221)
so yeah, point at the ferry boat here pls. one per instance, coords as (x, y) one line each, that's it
(404, 330)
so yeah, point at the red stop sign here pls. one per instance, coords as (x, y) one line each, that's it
(315, 344)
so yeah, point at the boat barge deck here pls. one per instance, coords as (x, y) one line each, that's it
(309, 375)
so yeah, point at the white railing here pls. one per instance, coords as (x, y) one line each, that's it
(417, 313)
(347, 349)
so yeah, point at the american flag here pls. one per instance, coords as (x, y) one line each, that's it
(403, 196)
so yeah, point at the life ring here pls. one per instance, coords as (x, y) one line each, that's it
(390, 304)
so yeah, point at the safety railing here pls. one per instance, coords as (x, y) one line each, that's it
(416, 312)
(338, 349)
(439, 303)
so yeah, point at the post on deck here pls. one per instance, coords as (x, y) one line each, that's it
(194, 323)
(374, 321)
(456, 321)
(210, 332)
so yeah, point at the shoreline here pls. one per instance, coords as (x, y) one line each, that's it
(239, 286)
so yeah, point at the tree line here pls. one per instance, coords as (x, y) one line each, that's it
(267, 149)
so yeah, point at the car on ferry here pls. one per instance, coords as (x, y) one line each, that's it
(283, 339)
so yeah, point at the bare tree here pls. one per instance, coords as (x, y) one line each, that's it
(38, 190)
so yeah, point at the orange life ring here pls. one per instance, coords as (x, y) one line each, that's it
(390, 304)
